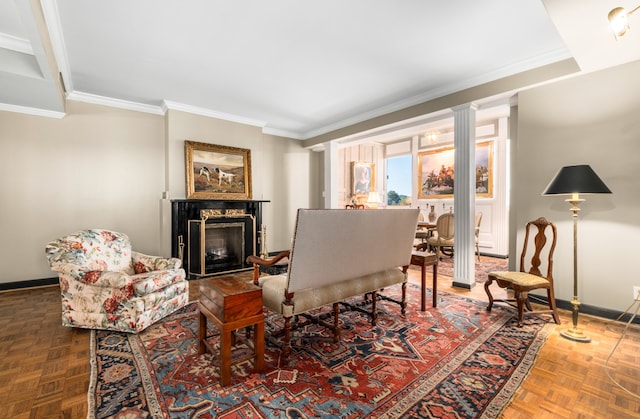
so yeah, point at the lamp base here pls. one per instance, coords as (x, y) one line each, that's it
(575, 335)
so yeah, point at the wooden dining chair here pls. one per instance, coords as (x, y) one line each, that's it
(522, 281)
(476, 232)
(442, 238)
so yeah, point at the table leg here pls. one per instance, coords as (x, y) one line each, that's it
(258, 347)
(225, 357)
(423, 268)
(202, 333)
(435, 284)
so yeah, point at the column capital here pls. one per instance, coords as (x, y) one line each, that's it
(464, 107)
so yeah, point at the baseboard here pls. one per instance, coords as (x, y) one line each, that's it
(9, 286)
(586, 309)
(491, 255)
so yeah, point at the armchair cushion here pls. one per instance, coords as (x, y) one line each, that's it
(106, 285)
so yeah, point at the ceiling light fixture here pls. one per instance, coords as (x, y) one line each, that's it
(619, 20)
(432, 137)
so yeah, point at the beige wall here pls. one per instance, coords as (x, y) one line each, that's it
(102, 167)
(591, 119)
(96, 168)
(281, 170)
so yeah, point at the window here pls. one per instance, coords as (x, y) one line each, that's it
(399, 180)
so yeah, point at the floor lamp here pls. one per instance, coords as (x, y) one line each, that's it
(575, 180)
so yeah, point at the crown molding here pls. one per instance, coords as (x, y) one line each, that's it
(282, 133)
(114, 103)
(31, 111)
(15, 44)
(168, 104)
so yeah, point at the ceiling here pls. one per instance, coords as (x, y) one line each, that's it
(295, 68)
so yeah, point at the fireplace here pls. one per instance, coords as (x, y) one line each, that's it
(220, 242)
(214, 237)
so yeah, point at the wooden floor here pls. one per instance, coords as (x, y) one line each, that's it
(44, 367)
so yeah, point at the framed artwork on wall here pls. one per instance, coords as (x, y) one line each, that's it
(436, 172)
(217, 172)
(362, 178)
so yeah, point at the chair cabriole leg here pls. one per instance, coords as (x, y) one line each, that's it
(486, 289)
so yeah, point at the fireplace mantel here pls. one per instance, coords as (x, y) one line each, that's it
(184, 210)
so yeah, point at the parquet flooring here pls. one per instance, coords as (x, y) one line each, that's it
(44, 367)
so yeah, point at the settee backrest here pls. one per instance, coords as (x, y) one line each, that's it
(333, 245)
(95, 250)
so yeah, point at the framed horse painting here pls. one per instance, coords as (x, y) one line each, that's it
(217, 172)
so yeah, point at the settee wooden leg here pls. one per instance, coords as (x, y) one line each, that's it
(336, 325)
(286, 347)
(374, 309)
(403, 304)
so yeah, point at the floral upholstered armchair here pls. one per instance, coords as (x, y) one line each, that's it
(106, 285)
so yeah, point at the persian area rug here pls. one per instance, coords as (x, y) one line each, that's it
(455, 361)
(486, 265)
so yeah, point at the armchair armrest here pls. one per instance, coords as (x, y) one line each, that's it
(106, 279)
(257, 262)
(146, 263)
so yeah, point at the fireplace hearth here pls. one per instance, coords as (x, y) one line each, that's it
(214, 237)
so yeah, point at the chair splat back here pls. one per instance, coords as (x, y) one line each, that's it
(540, 240)
(445, 226)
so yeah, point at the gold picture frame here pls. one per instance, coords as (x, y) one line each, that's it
(363, 179)
(436, 172)
(217, 171)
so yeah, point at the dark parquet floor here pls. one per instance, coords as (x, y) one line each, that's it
(44, 367)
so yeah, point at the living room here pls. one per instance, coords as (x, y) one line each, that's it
(109, 167)
(108, 164)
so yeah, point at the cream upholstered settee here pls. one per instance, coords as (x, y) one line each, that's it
(106, 285)
(337, 254)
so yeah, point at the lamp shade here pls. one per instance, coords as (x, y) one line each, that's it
(374, 198)
(576, 179)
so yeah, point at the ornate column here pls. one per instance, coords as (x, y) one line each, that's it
(464, 199)
(330, 192)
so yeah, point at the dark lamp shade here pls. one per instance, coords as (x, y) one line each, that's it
(576, 179)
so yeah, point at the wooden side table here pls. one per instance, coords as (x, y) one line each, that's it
(424, 259)
(231, 304)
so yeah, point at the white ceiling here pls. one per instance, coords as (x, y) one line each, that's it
(295, 68)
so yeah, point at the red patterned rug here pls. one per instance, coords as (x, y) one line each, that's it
(455, 361)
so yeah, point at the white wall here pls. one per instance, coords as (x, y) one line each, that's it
(591, 119)
(363, 153)
(494, 232)
(494, 238)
